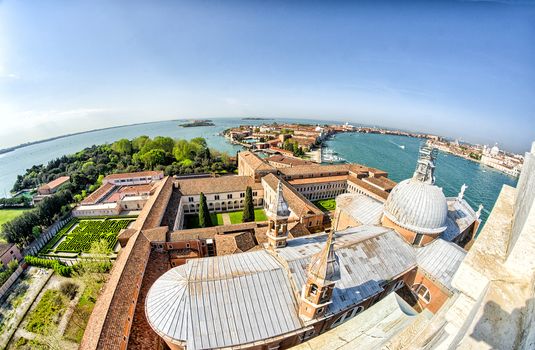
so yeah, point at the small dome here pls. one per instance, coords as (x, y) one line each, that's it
(417, 206)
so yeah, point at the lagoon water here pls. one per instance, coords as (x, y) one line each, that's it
(380, 151)
(386, 153)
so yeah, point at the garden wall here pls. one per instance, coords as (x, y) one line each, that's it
(34, 247)
(10, 281)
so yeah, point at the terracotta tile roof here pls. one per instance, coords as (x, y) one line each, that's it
(382, 195)
(231, 183)
(314, 170)
(382, 182)
(210, 232)
(283, 151)
(296, 201)
(297, 229)
(99, 194)
(133, 175)
(109, 319)
(146, 188)
(312, 180)
(56, 182)
(125, 235)
(289, 160)
(234, 243)
(254, 161)
(156, 234)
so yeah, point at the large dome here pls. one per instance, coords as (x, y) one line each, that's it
(417, 206)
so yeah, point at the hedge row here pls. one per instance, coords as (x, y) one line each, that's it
(56, 265)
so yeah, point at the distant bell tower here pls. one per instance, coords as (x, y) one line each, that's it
(425, 169)
(278, 214)
(323, 271)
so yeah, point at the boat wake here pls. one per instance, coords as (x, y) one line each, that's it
(400, 146)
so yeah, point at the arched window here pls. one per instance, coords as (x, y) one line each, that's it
(423, 292)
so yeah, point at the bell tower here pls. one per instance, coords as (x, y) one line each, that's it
(278, 214)
(323, 271)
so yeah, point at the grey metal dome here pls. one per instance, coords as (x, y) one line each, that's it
(417, 206)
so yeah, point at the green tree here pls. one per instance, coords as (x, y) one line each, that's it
(204, 215)
(139, 142)
(122, 146)
(36, 231)
(152, 158)
(248, 206)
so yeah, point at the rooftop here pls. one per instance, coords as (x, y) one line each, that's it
(296, 201)
(254, 161)
(362, 208)
(292, 161)
(56, 182)
(148, 173)
(231, 183)
(216, 302)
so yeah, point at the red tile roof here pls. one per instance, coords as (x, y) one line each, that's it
(133, 175)
(56, 183)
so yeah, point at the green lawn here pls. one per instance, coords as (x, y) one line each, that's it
(9, 214)
(326, 204)
(192, 221)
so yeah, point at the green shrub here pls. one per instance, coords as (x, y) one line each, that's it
(56, 265)
(69, 289)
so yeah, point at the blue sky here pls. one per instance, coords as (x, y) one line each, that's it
(459, 69)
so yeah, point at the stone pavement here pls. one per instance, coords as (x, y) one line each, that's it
(226, 219)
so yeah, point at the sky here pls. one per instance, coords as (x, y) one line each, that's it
(463, 70)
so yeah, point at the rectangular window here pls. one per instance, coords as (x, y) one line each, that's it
(242, 195)
(255, 194)
(190, 199)
(216, 197)
(229, 196)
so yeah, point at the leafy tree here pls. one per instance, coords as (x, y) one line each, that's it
(204, 215)
(36, 231)
(248, 206)
(122, 146)
(139, 142)
(153, 158)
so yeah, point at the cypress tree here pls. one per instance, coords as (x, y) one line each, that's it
(248, 206)
(204, 215)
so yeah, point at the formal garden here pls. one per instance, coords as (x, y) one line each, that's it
(206, 219)
(217, 219)
(326, 204)
(78, 235)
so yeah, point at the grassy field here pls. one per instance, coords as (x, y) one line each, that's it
(326, 204)
(45, 317)
(192, 221)
(9, 214)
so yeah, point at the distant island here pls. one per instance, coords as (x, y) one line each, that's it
(255, 118)
(196, 123)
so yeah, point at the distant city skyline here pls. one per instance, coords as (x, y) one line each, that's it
(457, 69)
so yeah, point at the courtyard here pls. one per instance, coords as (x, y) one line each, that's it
(229, 218)
(326, 204)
